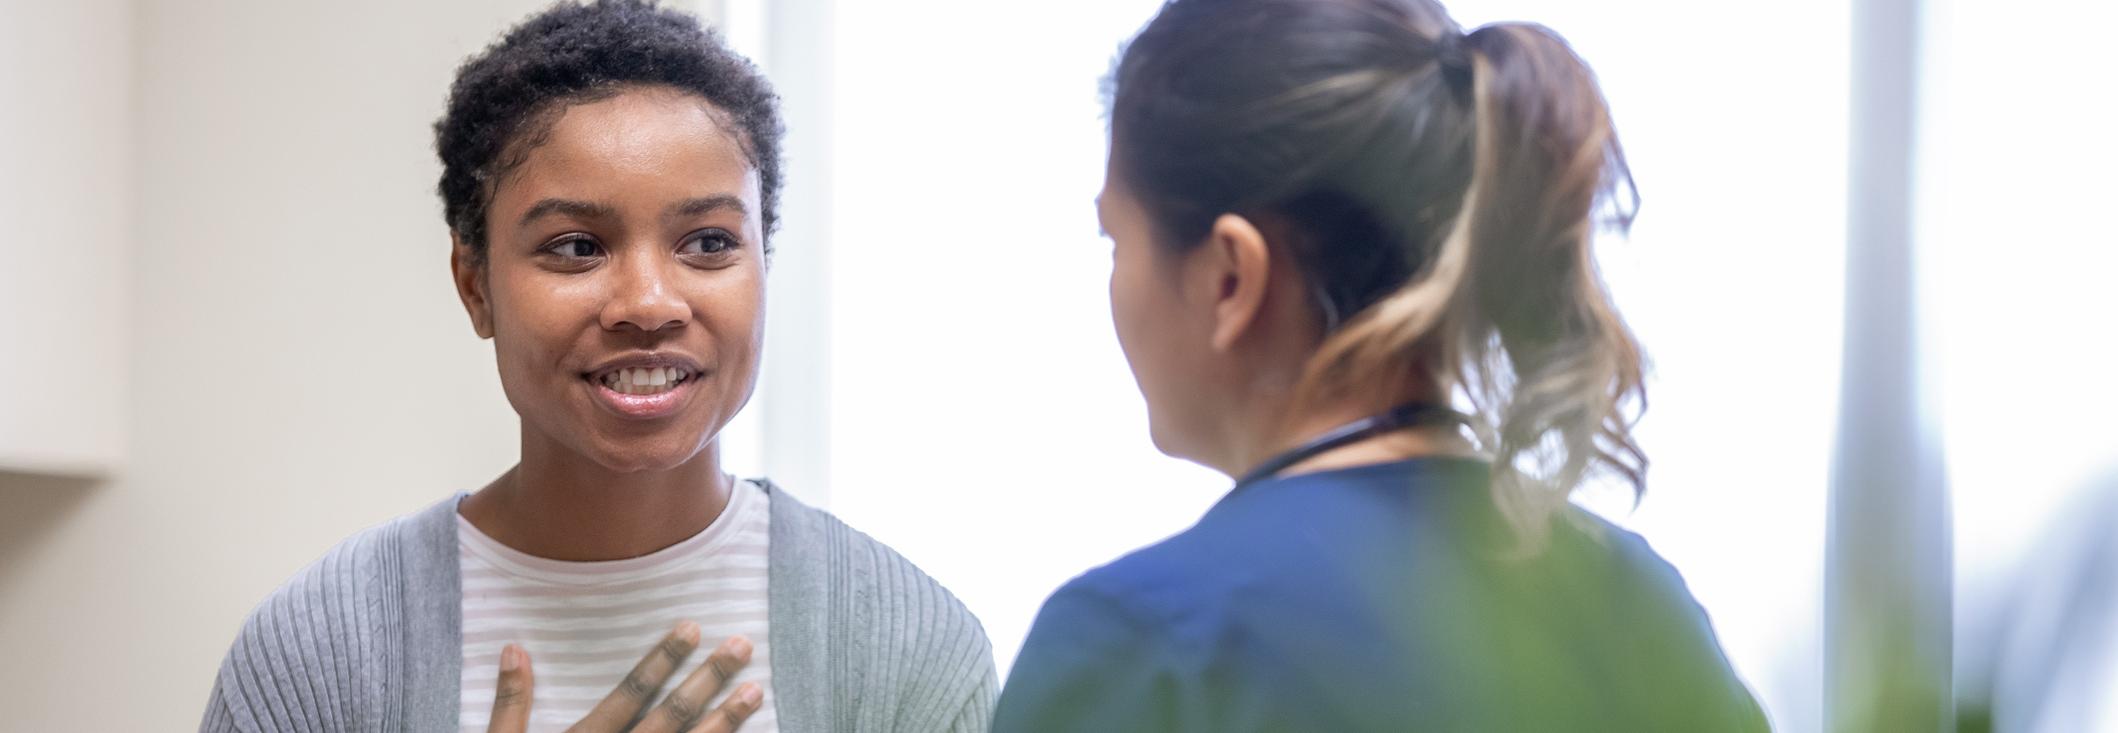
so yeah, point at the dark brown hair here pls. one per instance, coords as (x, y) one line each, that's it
(1443, 188)
(505, 98)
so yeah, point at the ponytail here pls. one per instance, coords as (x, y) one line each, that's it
(1513, 315)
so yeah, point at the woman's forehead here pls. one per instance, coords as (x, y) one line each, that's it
(645, 139)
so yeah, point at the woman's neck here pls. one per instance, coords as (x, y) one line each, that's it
(1285, 430)
(557, 504)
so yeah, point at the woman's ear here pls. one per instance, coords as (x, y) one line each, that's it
(1240, 266)
(471, 286)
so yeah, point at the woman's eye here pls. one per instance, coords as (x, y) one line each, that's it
(710, 243)
(576, 248)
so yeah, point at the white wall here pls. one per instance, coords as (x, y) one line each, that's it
(299, 365)
(65, 203)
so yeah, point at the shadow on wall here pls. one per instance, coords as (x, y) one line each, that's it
(32, 506)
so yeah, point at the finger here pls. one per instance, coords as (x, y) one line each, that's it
(511, 696)
(622, 705)
(687, 704)
(733, 711)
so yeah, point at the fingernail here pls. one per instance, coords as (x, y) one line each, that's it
(739, 646)
(750, 694)
(510, 658)
(689, 632)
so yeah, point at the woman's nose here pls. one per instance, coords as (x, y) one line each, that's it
(644, 297)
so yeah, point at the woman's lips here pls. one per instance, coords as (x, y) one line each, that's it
(643, 406)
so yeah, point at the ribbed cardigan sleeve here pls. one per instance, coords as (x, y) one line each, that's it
(864, 641)
(307, 658)
(218, 718)
(977, 713)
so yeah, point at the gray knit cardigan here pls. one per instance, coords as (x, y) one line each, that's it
(369, 638)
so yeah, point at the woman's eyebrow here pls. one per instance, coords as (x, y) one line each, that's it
(704, 205)
(569, 207)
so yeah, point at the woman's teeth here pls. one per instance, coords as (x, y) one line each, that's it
(645, 381)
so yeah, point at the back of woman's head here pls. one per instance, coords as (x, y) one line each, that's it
(1442, 189)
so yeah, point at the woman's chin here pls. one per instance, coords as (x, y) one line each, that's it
(1164, 441)
(639, 459)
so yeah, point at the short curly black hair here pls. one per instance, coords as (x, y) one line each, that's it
(506, 97)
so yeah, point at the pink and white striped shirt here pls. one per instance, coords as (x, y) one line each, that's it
(585, 624)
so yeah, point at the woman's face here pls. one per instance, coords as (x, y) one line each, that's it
(624, 281)
(1164, 333)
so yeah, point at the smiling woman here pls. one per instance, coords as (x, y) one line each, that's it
(610, 177)
(620, 249)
